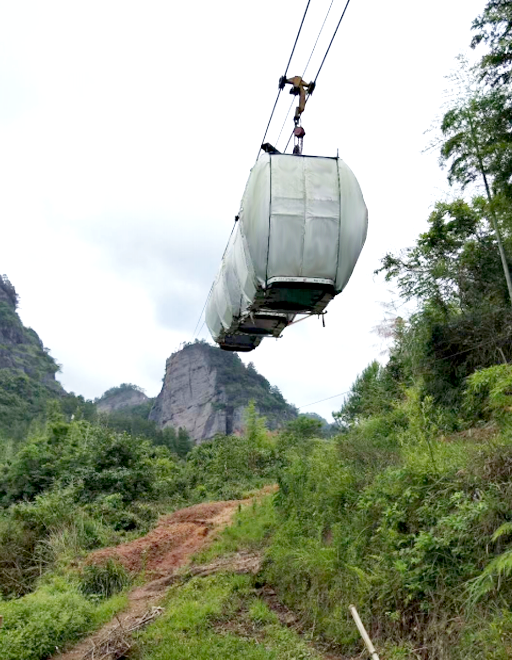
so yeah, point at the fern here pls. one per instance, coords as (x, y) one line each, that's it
(492, 576)
(504, 529)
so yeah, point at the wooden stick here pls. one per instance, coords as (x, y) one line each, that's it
(364, 634)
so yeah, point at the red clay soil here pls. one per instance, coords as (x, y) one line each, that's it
(160, 553)
(171, 543)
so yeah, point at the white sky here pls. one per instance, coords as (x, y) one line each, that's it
(127, 133)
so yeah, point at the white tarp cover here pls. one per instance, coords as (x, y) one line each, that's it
(301, 216)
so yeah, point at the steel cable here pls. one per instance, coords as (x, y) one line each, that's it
(286, 71)
(335, 396)
(330, 43)
(304, 72)
(323, 61)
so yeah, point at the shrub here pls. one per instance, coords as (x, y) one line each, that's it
(404, 542)
(103, 580)
(32, 534)
(96, 460)
(41, 623)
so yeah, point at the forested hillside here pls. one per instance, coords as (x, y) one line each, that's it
(406, 512)
(27, 371)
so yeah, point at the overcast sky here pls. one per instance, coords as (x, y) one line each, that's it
(127, 133)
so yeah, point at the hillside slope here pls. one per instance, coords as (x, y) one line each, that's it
(27, 371)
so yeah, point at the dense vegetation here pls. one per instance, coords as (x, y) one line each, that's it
(74, 486)
(134, 420)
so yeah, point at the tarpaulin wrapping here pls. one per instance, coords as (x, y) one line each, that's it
(300, 217)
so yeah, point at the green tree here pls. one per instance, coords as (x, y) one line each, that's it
(494, 30)
(93, 459)
(477, 139)
(477, 146)
(372, 393)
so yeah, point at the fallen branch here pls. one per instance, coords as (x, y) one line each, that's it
(117, 642)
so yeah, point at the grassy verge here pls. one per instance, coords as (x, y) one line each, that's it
(252, 529)
(220, 617)
(52, 617)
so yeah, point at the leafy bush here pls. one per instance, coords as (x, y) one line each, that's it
(229, 466)
(124, 517)
(35, 535)
(96, 460)
(408, 542)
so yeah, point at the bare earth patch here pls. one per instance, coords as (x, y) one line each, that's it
(160, 554)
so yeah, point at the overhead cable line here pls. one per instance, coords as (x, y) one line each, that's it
(471, 348)
(210, 291)
(335, 396)
(446, 357)
(317, 38)
(202, 312)
(286, 71)
(305, 69)
(284, 122)
(330, 44)
(323, 61)
(297, 38)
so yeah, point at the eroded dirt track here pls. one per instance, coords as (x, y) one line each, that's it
(171, 543)
(159, 554)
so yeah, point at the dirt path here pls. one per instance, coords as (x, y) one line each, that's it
(160, 554)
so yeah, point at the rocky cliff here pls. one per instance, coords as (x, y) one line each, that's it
(206, 392)
(27, 371)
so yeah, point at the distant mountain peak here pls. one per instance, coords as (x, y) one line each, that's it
(125, 395)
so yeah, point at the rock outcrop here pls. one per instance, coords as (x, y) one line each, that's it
(27, 370)
(206, 392)
(125, 396)
(21, 350)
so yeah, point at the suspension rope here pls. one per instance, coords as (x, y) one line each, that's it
(286, 71)
(297, 38)
(284, 122)
(323, 61)
(330, 44)
(318, 37)
(304, 72)
(202, 312)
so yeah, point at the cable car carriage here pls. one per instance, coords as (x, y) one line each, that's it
(301, 227)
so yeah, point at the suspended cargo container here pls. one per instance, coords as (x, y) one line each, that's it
(302, 225)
